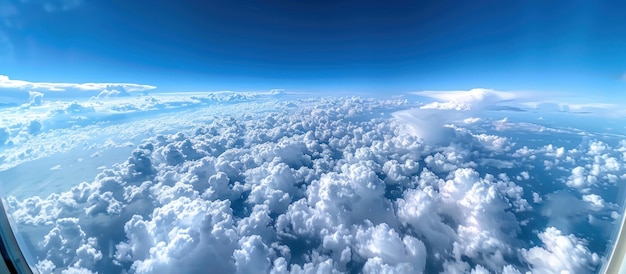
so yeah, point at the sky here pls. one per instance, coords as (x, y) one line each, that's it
(565, 47)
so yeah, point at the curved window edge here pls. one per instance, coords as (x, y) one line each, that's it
(616, 262)
(13, 260)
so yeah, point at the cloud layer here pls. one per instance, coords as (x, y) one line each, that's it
(9, 84)
(321, 185)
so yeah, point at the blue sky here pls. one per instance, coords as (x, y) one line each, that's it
(373, 46)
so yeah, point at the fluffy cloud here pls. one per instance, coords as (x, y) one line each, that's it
(298, 187)
(383, 248)
(600, 165)
(560, 254)
(579, 178)
(184, 235)
(31, 131)
(493, 142)
(471, 120)
(66, 245)
(595, 201)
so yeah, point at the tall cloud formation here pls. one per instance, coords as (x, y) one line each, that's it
(475, 99)
(324, 186)
(427, 122)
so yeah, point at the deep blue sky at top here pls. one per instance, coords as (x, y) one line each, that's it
(328, 45)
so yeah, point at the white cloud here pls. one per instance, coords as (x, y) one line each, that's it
(45, 266)
(427, 122)
(615, 215)
(493, 142)
(60, 126)
(560, 254)
(595, 201)
(579, 178)
(598, 164)
(477, 98)
(471, 120)
(66, 244)
(181, 242)
(525, 175)
(20, 85)
(383, 242)
(35, 99)
(419, 210)
(253, 256)
(597, 148)
(582, 105)
(113, 92)
(280, 187)
(446, 106)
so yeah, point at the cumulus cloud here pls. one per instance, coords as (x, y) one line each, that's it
(471, 120)
(560, 253)
(579, 178)
(66, 245)
(602, 165)
(595, 201)
(493, 142)
(388, 250)
(300, 187)
(36, 130)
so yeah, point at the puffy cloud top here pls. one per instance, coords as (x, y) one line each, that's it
(560, 254)
(320, 186)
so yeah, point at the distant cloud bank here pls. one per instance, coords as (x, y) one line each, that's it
(20, 85)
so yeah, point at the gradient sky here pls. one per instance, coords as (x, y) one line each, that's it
(326, 45)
